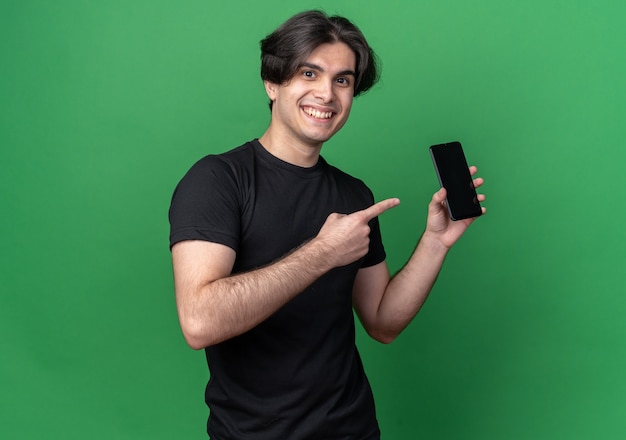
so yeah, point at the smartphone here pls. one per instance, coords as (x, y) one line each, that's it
(454, 176)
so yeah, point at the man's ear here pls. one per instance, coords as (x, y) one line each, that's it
(270, 89)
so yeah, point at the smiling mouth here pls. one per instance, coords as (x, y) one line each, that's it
(317, 114)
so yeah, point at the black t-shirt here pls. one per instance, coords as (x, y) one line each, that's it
(297, 375)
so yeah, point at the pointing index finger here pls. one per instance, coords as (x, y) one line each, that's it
(378, 208)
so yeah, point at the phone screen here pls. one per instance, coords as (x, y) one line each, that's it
(454, 176)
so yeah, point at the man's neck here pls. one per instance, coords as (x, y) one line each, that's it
(291, 150)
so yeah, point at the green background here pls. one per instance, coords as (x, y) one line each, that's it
(105, 104)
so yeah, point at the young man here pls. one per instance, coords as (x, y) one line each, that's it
(273, 248)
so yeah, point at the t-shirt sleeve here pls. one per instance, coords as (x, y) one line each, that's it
(205, 204)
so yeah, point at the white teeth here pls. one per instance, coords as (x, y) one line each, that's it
(317, 114)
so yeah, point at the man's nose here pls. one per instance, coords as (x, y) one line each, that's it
(324, 91)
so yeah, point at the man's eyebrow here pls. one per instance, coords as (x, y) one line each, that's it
(320, 69)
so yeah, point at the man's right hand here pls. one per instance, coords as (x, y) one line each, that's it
(345, 237)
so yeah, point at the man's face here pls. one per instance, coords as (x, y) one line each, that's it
(312, 106)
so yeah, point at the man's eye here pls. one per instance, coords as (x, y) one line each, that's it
(343, 81)
(308, 73)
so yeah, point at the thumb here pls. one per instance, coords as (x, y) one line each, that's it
(440, 195)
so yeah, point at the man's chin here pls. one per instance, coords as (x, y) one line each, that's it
(322, 136)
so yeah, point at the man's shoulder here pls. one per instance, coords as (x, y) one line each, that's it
(344, 176)
(229, 160)
(218, 169)
(242, 153)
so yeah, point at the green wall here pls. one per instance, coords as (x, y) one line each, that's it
(104, 105)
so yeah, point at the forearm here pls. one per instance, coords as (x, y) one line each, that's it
(409, 288)
(228, 306)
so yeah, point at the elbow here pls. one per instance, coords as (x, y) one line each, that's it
(384, 337)
(194, 343)
(194, 335)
